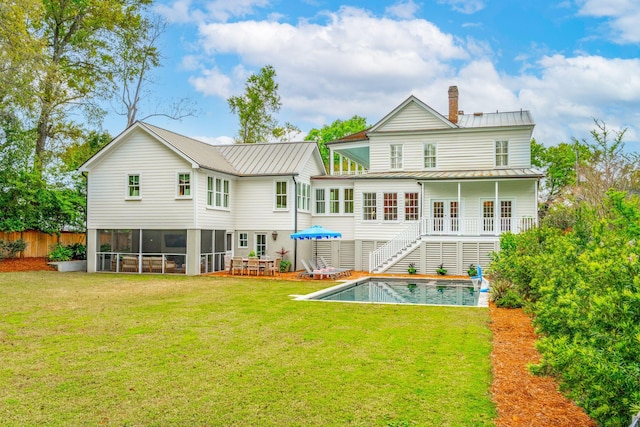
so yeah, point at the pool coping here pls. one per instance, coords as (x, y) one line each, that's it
(483, 298)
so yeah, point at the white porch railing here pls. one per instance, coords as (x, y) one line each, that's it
(475, 226)
(447, 227)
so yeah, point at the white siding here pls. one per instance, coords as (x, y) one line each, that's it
(413, 117)
(158, 207)
(456, 149)
(210, 218)
(380, 229)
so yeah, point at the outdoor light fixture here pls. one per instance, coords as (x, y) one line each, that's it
(274, 235)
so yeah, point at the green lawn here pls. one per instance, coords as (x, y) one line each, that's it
(125, 350)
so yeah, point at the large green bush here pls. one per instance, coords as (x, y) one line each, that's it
(583, 286)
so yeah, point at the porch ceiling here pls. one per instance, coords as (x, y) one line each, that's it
(357, 154)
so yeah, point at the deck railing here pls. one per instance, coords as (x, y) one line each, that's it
(447, 227)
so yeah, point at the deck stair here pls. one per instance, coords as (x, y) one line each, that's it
(395, 249)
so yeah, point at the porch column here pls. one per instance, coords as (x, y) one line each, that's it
(331, 161)
(340, 164)
(92, 245)
(460, 222)
(193, 252)
(496, 213)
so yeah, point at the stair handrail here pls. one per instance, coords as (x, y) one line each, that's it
(394, 246)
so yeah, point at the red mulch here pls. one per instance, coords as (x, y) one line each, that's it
(522, 399)
(24, 264)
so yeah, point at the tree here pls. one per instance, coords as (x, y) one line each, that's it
(72, 68)
(559, 164)
(255, 108)
(336, 130)
(136, 56)
(609, 167)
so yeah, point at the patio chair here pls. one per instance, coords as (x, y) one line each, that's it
(129, 264)
(237, 265)
(253, 265)
(275, 267)
(317, 273)
(170, 266)
(155, 264)
(227, 263)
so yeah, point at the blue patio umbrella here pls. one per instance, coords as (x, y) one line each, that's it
(316, 233)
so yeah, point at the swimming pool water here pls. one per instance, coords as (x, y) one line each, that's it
(433, 292)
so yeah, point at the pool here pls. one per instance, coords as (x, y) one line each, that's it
(404, 291)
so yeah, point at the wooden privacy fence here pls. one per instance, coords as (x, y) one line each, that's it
(39, 243)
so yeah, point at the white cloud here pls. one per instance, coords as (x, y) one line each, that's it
(404, 9)
(183, 11)
(623, 16)
(465, 6)
(212, 82)
(572, 91)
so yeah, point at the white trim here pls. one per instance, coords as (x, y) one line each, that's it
(424, 146)
(495, 154)
(400, 157)
(246, 246)
(275, 195)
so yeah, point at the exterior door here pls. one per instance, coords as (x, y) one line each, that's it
(446, 216)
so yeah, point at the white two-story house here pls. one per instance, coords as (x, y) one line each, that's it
(417, 187)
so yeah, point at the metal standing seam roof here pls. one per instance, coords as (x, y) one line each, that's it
(462, 174)
(280, 158)
(497, 119)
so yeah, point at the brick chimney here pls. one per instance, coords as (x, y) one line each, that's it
(453, 104)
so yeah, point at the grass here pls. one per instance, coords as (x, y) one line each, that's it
(124, 350)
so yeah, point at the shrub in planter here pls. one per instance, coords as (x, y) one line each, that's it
(472, 270)
(412, 268)
(441, 270)
(284, 265)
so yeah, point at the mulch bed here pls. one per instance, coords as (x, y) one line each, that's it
(24, 264)
(521, 398)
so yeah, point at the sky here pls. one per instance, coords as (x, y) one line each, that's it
(568, 62)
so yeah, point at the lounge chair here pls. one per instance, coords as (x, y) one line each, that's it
(318, 273)
(342, 271)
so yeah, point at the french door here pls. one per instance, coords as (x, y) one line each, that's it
(446, 216)
(488, 216)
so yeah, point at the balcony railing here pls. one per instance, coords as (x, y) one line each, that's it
(475, 226)
(447, 227)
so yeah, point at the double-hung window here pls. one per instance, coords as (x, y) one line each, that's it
(429, 156)
(396, 156)
(320, 201)
(369, 202)
(502, 153)
(217, 192)
(281, 194)
(243, 240)
(348, 200)
(390, 206)
(184, 184)
(133, 186)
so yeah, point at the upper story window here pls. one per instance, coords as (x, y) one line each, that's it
(184, 185)
(133, 186)
(281, 194)
(502, 153)
(396, 156)
(320, 206)
(304, 196)
(348, 200)
(429, 156)
(369, 201)
(217, 192)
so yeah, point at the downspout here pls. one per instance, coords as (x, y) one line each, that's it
(295, 222)
(86, 219)
(421, 209)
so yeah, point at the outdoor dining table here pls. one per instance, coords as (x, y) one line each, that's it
(265, 265)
